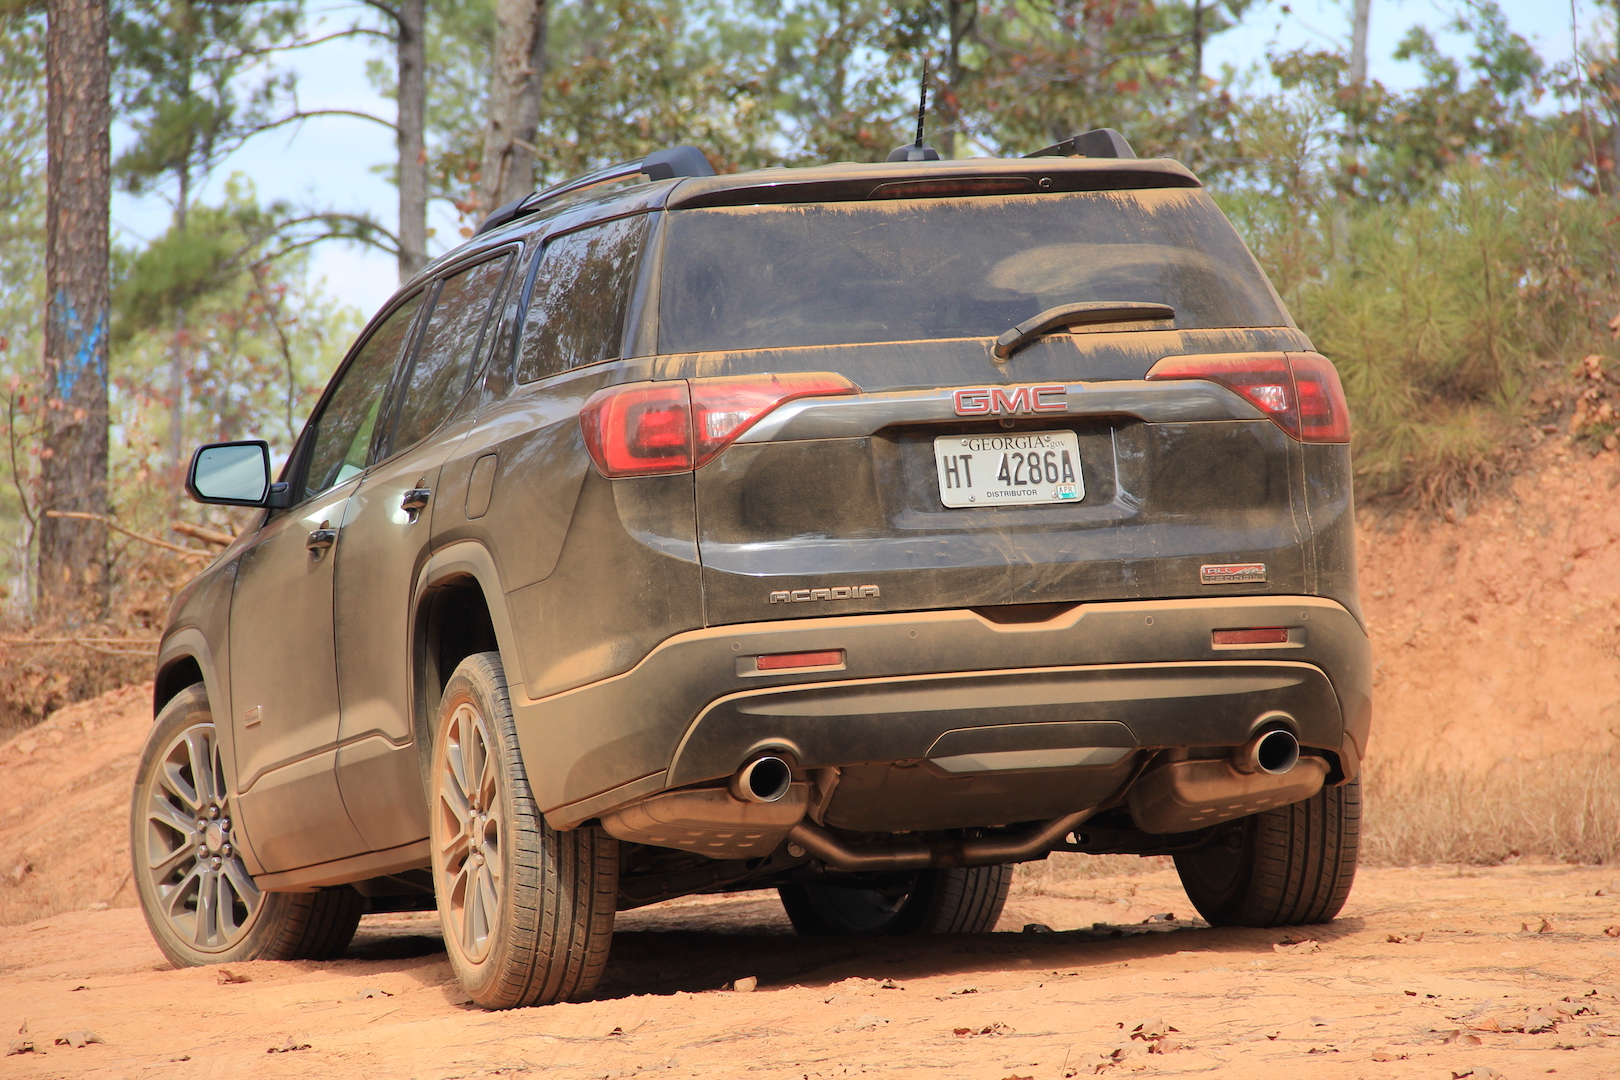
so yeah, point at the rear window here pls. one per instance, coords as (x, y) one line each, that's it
(758, 277)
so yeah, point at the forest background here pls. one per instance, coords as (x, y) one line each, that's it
(1452, 246)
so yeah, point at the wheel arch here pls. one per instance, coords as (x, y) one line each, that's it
(458, 609)
(185, 658)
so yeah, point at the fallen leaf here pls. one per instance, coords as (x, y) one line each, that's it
(1612, 931)
(368, 992)
(890, 984)
(1168, 916)
(1462, 1038)
(1478, 1072)
(1306, 946)
(287, 1047)
(1544, 928)
(1404, 939)
(1536, 1021)
(1389, 1055)
(225, 977)
(77, 1039)
(1152, 1028)
(746, 984)
(997, 1028)
(864, 1022)
(76, 989)
(965, 990)
(1323, 1050)
(21, 1046)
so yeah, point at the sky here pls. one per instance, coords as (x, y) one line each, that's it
(335, 161)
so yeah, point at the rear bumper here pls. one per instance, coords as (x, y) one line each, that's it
(956, 692)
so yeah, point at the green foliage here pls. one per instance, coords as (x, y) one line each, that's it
(191, 82)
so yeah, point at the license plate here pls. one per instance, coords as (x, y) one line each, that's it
(1001, 470)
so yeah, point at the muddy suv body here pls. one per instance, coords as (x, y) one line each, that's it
(800, 563)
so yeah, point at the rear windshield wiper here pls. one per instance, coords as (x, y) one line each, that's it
(1090, 311)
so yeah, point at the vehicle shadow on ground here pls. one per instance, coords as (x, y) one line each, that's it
(666, 959)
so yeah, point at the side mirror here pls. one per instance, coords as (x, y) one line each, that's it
(232, 474)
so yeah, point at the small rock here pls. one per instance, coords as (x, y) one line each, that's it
(99, 905)
(1612, 931)
(746, 984)
(1037, 928)
(77, 1039)
(1168, 916)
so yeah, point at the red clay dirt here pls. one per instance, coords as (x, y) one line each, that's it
(1496, 639)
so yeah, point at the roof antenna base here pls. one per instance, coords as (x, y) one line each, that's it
(913, 152)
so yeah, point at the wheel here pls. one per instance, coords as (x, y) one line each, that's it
(963, 901)
(1288, 866)
(199, 900)
(527, 911)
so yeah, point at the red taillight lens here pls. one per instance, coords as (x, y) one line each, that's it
(777, 661)
(639, 429)
(724, 408)
(643, 429)
(1300, 392)
(1259, 635)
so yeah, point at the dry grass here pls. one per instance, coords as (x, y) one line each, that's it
(1565, 806)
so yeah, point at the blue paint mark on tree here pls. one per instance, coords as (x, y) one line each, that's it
(86, 347)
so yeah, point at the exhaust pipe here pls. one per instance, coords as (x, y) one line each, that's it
(763, 780)
(1271, 752)
(1033, 843)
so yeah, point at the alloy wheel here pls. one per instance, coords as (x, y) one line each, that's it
(469, 831)
(204, 891)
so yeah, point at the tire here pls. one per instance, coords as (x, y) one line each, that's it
(527, 911)
(963, 901)
(200, 903)
(1289, 866)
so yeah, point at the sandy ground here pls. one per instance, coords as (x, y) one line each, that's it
(1502, 971)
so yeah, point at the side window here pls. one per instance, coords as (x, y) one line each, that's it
(343, 429)
(444, 361)
(576, 315)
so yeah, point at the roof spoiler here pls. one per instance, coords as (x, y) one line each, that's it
(658, 165)
(1103, 142)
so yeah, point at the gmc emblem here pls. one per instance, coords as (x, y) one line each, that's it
(990, 400)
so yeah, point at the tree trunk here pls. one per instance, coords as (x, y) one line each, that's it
(514, 101)
(73, 461)
(412, 101)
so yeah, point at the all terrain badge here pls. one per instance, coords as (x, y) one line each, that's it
(1231, 573)
(841, 592)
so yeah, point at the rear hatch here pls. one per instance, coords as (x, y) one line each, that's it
(954, 478)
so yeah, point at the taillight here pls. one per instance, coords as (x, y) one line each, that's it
(1300, 392)
(643, 429)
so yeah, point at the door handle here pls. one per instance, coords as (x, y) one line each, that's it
(322, 538)
(415, 501)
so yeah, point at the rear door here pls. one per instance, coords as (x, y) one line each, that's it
(387, 526)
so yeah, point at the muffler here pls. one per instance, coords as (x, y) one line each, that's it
(1265, 772)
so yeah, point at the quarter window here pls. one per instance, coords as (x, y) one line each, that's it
(581, 291)
(444, 361)
(344, 427)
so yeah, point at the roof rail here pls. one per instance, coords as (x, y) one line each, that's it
(1103, 142)
(658, 165)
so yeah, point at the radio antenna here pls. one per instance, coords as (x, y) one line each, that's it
(917, 151)
(922, 104)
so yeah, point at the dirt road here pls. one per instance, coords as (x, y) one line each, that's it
(1431, 973)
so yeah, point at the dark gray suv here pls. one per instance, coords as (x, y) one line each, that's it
(855, 531)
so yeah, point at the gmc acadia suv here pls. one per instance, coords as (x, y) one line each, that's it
(855, 531)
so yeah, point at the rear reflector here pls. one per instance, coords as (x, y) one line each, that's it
(1300, 392)
(775, 661)
(649, 428)
(1263, 635)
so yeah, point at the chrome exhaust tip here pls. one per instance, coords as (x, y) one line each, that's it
(763, 780)
(1273, 752)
